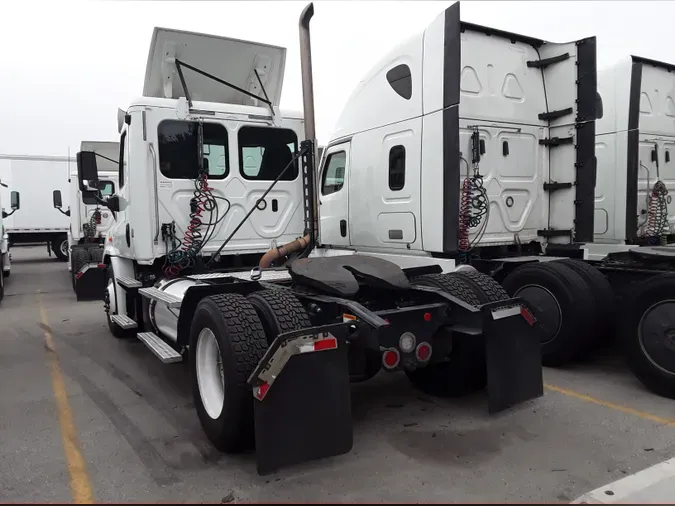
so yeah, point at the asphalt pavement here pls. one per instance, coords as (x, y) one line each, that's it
(86, 417)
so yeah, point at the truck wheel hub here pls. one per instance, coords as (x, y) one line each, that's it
(656, 332)
(210, 374)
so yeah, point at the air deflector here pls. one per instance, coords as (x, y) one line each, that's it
(232, 60)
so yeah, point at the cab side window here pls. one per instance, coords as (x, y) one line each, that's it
(334, 173)
(123, 160)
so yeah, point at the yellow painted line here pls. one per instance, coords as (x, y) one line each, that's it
(80, 485)
(616, 407)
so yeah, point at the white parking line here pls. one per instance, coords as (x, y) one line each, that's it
(654, 485)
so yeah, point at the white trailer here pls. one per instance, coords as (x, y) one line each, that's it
(215, 178)
(5, 259)
(34, 177)
(89, 222)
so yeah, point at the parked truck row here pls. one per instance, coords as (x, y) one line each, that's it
(488, 202)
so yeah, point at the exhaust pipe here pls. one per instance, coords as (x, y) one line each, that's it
(306, 69)
(283, 251)
(310, 134)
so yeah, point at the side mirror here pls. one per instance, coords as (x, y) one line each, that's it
(87, 170)
(15, 201)
(56, 197)
(113, 203)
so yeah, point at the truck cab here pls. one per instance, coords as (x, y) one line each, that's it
(246, 143)
(635, 146)
(5, 260)
(464, 138)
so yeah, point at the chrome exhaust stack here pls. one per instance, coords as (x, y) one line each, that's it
(306, 69)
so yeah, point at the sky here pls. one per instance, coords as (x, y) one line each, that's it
(67, 66)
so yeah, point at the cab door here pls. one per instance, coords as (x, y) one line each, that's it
(334, 197)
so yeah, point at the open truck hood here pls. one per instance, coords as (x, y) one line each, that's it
(107, 149)
(231, 60)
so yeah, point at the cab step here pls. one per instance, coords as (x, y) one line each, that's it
(124, 321)
(162, 350)
(125, 282)
(171, 301)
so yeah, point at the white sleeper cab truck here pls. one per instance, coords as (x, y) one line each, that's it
(495, 168)
(209, 256)
(90, 220)
(635, 148)
(35, 177)
(5, 260)
(484, 165)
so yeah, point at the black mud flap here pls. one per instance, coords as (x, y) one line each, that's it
(513, 351)
(91, 284)
(302, 398)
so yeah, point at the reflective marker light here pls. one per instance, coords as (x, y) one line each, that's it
(407, 342)
(423, 352)
(390, 358)
(529, 317)
(427, 317)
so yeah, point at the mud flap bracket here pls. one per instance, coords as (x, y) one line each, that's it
(513, 354)
(302, 398)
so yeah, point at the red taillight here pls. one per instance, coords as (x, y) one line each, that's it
(390, 359)
(79, 274)
(427, 317)
(101, 266)
(423, 352)
(529, 317)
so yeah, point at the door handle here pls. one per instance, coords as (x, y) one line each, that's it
(343, 228)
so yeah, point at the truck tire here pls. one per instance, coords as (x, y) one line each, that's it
(562, 304)
(465, 370)
(60, 248)
(227, 340)
(279, 311)
(78, 258)
(117, 331)
(2, 288)
(488, 288)
(649, 334)
(602, 292)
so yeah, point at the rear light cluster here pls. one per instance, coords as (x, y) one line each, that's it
(407, 344)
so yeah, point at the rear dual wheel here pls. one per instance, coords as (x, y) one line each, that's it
(228, 338)
(649, 334)
(572, 302)
(464, 370)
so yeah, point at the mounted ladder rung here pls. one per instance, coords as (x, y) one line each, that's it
(124, 321)
(542, 64)
(551, 115)
(162, 350)
(556, 141)
(126, 282)
(169, 300)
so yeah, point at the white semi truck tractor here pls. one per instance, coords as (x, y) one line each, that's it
(494, 169)
(90, 221)
(5, 259)
(216, 255)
